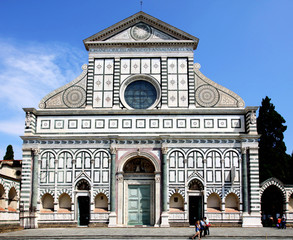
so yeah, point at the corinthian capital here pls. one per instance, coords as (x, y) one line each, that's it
(164, 150)
(113, 150)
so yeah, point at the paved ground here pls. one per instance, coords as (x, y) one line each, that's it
(147, 233)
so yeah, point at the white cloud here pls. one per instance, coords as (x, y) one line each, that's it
(28, 72)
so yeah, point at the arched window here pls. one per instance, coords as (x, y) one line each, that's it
(195, 161)
(83, 160)
(214, 203)
(176, 167)
(64, 164)
(2, 198)
(47, 168)
(12, 200)
(47, 203)
(101, 203)
(231, 203)
(214, 167)
(64, 203)
(176, 203)
(101, 167)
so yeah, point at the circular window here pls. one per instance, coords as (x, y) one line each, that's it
(140, 92)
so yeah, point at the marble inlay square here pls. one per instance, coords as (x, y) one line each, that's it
(167, 123)
(125, 66)
(235, 123)
(45, 124)
(98, 99)
(172, 99)
(108, 82)
(222, 123)
(172, 65)
(146, 66)
(183, 98)
(209, 123)
(98, 82)
(194, 123)
(135, 66)
(113, 123)
(183, 83)
(108, 102)
(86, 123)
(181, 123)
(126, 123)
(72, 124)
(140, 123)
(154, 123)
(99, 66)
(99, 123)
(156, 66)
(182, 65)
(172, 82)
(59, 124)
(109, 66)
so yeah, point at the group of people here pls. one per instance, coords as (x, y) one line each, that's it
(202, 228)
(281, 223)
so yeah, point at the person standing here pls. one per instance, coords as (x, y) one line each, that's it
(203, 228)
(207, 228)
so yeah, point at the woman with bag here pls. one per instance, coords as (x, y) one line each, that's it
(197, 230)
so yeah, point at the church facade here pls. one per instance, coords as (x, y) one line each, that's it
(141, 137)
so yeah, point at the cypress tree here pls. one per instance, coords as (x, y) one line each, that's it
(273, 159)
(9, 153)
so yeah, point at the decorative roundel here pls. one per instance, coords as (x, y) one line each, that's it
(74, 97)
(140, 31)
(207, 96)
(140, 92)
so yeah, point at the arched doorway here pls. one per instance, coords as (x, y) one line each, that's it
(195, 200)
(139, 177)
(272, 203)
(138, 183)
(83, 202)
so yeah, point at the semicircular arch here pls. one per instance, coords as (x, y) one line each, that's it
(130, 156)
(273, 182)
(176, 150)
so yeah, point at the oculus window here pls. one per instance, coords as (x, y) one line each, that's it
(140, 94)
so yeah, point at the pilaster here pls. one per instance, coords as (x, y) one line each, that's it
(113, 215)
(165, 214)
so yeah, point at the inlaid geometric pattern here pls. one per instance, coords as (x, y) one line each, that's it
(103, 83)
(177, 82)
(150, 66)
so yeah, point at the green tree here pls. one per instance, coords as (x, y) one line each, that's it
(273, 159)
(9, 153)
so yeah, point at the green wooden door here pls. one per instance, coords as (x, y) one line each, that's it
(139, 205)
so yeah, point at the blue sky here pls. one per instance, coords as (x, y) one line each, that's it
(246, 46)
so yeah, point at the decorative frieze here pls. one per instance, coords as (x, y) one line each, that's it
(140, 124)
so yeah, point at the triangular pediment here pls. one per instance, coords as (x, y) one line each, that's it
(141, 27)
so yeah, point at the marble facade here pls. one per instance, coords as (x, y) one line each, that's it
(141, 137)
